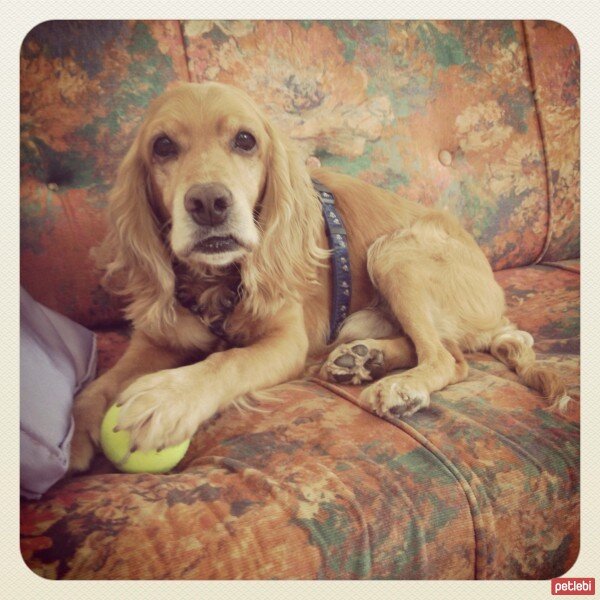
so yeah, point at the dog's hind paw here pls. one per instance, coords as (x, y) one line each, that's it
(353, 363)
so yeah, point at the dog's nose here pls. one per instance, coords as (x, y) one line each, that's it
(208, 203)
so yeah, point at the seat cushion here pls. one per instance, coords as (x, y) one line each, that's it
(483, 484)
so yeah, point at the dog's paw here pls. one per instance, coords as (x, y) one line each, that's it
(395, 396)
(163, 409)
(353, 363)
(88, 410)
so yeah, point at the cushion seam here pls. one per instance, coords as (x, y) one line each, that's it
(479, 567)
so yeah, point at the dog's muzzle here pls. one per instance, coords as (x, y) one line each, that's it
(208, 203)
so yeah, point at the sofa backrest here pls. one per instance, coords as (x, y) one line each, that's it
(480, 118)
(554, 62)
(84, 90)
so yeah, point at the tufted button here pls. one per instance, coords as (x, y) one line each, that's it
(445, 158)
(53, 187)
(313, 162)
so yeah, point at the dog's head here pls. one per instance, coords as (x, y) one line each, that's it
(205, 149)
(209, 180)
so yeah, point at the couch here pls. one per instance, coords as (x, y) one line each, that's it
(479, 118)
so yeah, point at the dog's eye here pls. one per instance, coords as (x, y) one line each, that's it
(244, 141)
(164, 147)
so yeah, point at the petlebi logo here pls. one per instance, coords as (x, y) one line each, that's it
(573, 586)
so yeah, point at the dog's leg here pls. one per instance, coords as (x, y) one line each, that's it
(142, 356)
(424, 274)
(167, 407)
(438, 365)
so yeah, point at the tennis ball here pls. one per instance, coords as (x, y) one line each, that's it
(116, 444)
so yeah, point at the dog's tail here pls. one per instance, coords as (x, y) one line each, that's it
(514, 348)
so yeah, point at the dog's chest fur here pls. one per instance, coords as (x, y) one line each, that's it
(213, 299)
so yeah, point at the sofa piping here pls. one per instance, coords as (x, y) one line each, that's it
(540, 124)
(479, 567)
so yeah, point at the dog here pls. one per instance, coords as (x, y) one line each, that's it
(217, 239)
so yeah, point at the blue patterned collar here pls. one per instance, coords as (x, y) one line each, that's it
(341, 277)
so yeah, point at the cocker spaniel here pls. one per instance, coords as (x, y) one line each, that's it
(217, 239)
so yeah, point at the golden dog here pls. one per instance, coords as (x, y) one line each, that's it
(211, 195)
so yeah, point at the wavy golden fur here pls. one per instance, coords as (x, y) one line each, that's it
(211, 194)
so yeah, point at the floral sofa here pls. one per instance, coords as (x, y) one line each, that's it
(481, 118)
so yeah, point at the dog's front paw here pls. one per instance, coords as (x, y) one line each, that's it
(396, 396)
(163, 409)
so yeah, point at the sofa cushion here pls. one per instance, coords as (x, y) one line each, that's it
(544, 300)
(482, 484)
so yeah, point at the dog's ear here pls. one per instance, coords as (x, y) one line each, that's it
(288, 256)
(136, 260)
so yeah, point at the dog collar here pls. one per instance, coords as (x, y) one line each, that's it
(341, 278)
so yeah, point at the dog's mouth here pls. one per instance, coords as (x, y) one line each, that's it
(217, 244)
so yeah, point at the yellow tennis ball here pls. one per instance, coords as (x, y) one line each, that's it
(116, 444)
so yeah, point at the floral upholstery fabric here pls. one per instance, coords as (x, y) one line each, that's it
(471, 116)
(482, 484)
(555, 70)
(392, 102)
(444, 113)
(84, 89)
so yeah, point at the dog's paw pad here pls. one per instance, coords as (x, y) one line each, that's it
(346, 361)
(354, 364)
(360, 350)
(375, 365)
